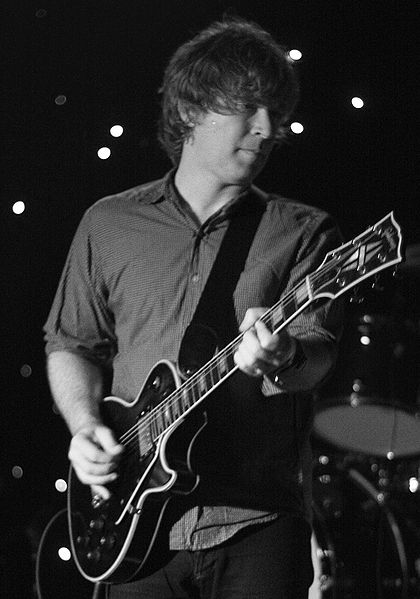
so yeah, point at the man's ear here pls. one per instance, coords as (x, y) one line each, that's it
(184, 115)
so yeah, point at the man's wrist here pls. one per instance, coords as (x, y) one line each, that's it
(296, 359)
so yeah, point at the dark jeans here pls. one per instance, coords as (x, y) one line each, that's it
(272, 561)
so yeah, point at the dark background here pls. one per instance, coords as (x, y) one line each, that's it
(107, 58)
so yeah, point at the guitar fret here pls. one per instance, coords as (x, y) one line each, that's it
(153, 428)
(195, 393)
(277, 316)
(222, 366)
(161, 420)
(145, 441)
(301, 294)
(230, 362)
(209, 379)
(167, 414)
(177, 406)
(157, 425)
(269, 319)
(185, 398)
(214, 373)
(202, 385)
(289, 308)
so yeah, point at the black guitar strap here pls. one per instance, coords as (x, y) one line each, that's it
(215, 312)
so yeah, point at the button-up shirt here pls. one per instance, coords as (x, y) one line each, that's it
(134, 275)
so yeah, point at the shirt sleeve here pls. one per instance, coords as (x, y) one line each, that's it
(79, 320)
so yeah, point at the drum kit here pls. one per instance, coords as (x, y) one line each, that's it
(366, 441)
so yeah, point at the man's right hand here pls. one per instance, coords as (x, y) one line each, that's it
(95, 455)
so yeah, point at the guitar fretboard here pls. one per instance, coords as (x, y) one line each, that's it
(377, 248)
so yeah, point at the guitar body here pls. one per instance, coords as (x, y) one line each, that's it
(112, 540)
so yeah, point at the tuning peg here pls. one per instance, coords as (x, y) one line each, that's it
(355, 297)
(376, 284)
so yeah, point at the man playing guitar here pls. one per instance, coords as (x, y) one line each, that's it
(129, 297)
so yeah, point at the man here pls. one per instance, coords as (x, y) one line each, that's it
(133, 280)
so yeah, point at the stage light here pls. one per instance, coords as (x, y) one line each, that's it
(116, 131)
(357, 385)
(104, 153)
(297, 128)
(17, 472)
(19, 207)
(25, 371)
(357, 102)
(413, 485)
(64, 553)
(60, 99)
(61, 485)
(365, 340)
(295, 54)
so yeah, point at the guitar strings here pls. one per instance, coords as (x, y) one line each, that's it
(150, 420)
(175, 398)
(157, 412)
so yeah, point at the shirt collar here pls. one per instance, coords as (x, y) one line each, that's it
(165, 189)
(157, 191)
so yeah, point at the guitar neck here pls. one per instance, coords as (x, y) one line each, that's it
(375, 249)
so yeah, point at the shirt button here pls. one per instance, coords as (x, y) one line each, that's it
(195, 278)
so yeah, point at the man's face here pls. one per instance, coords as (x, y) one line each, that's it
(232, 148)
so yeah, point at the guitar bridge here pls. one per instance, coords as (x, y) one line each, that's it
(134, 510)
(97, 501)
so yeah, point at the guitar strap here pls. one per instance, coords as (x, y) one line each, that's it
(215, 312)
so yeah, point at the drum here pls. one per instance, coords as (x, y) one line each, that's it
(371, 403)
(365, 545)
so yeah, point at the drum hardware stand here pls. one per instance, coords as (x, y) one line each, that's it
(99, 590)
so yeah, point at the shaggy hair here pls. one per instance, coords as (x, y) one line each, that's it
(231, 66)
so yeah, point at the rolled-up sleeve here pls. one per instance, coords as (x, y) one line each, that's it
(79, 320)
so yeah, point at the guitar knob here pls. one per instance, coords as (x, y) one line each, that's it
(108, 541)
(94, 556)
(97, 524)
(97, 501)
(83, 540)
(156, 383)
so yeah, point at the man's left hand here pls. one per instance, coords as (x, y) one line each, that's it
(260, 352)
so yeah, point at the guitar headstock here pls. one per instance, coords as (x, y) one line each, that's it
(377, 248)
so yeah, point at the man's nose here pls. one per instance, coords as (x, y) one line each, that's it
(261, 123)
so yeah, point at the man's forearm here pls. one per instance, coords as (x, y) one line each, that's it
(77, 388)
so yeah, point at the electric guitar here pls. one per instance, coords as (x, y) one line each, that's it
(113, 540)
